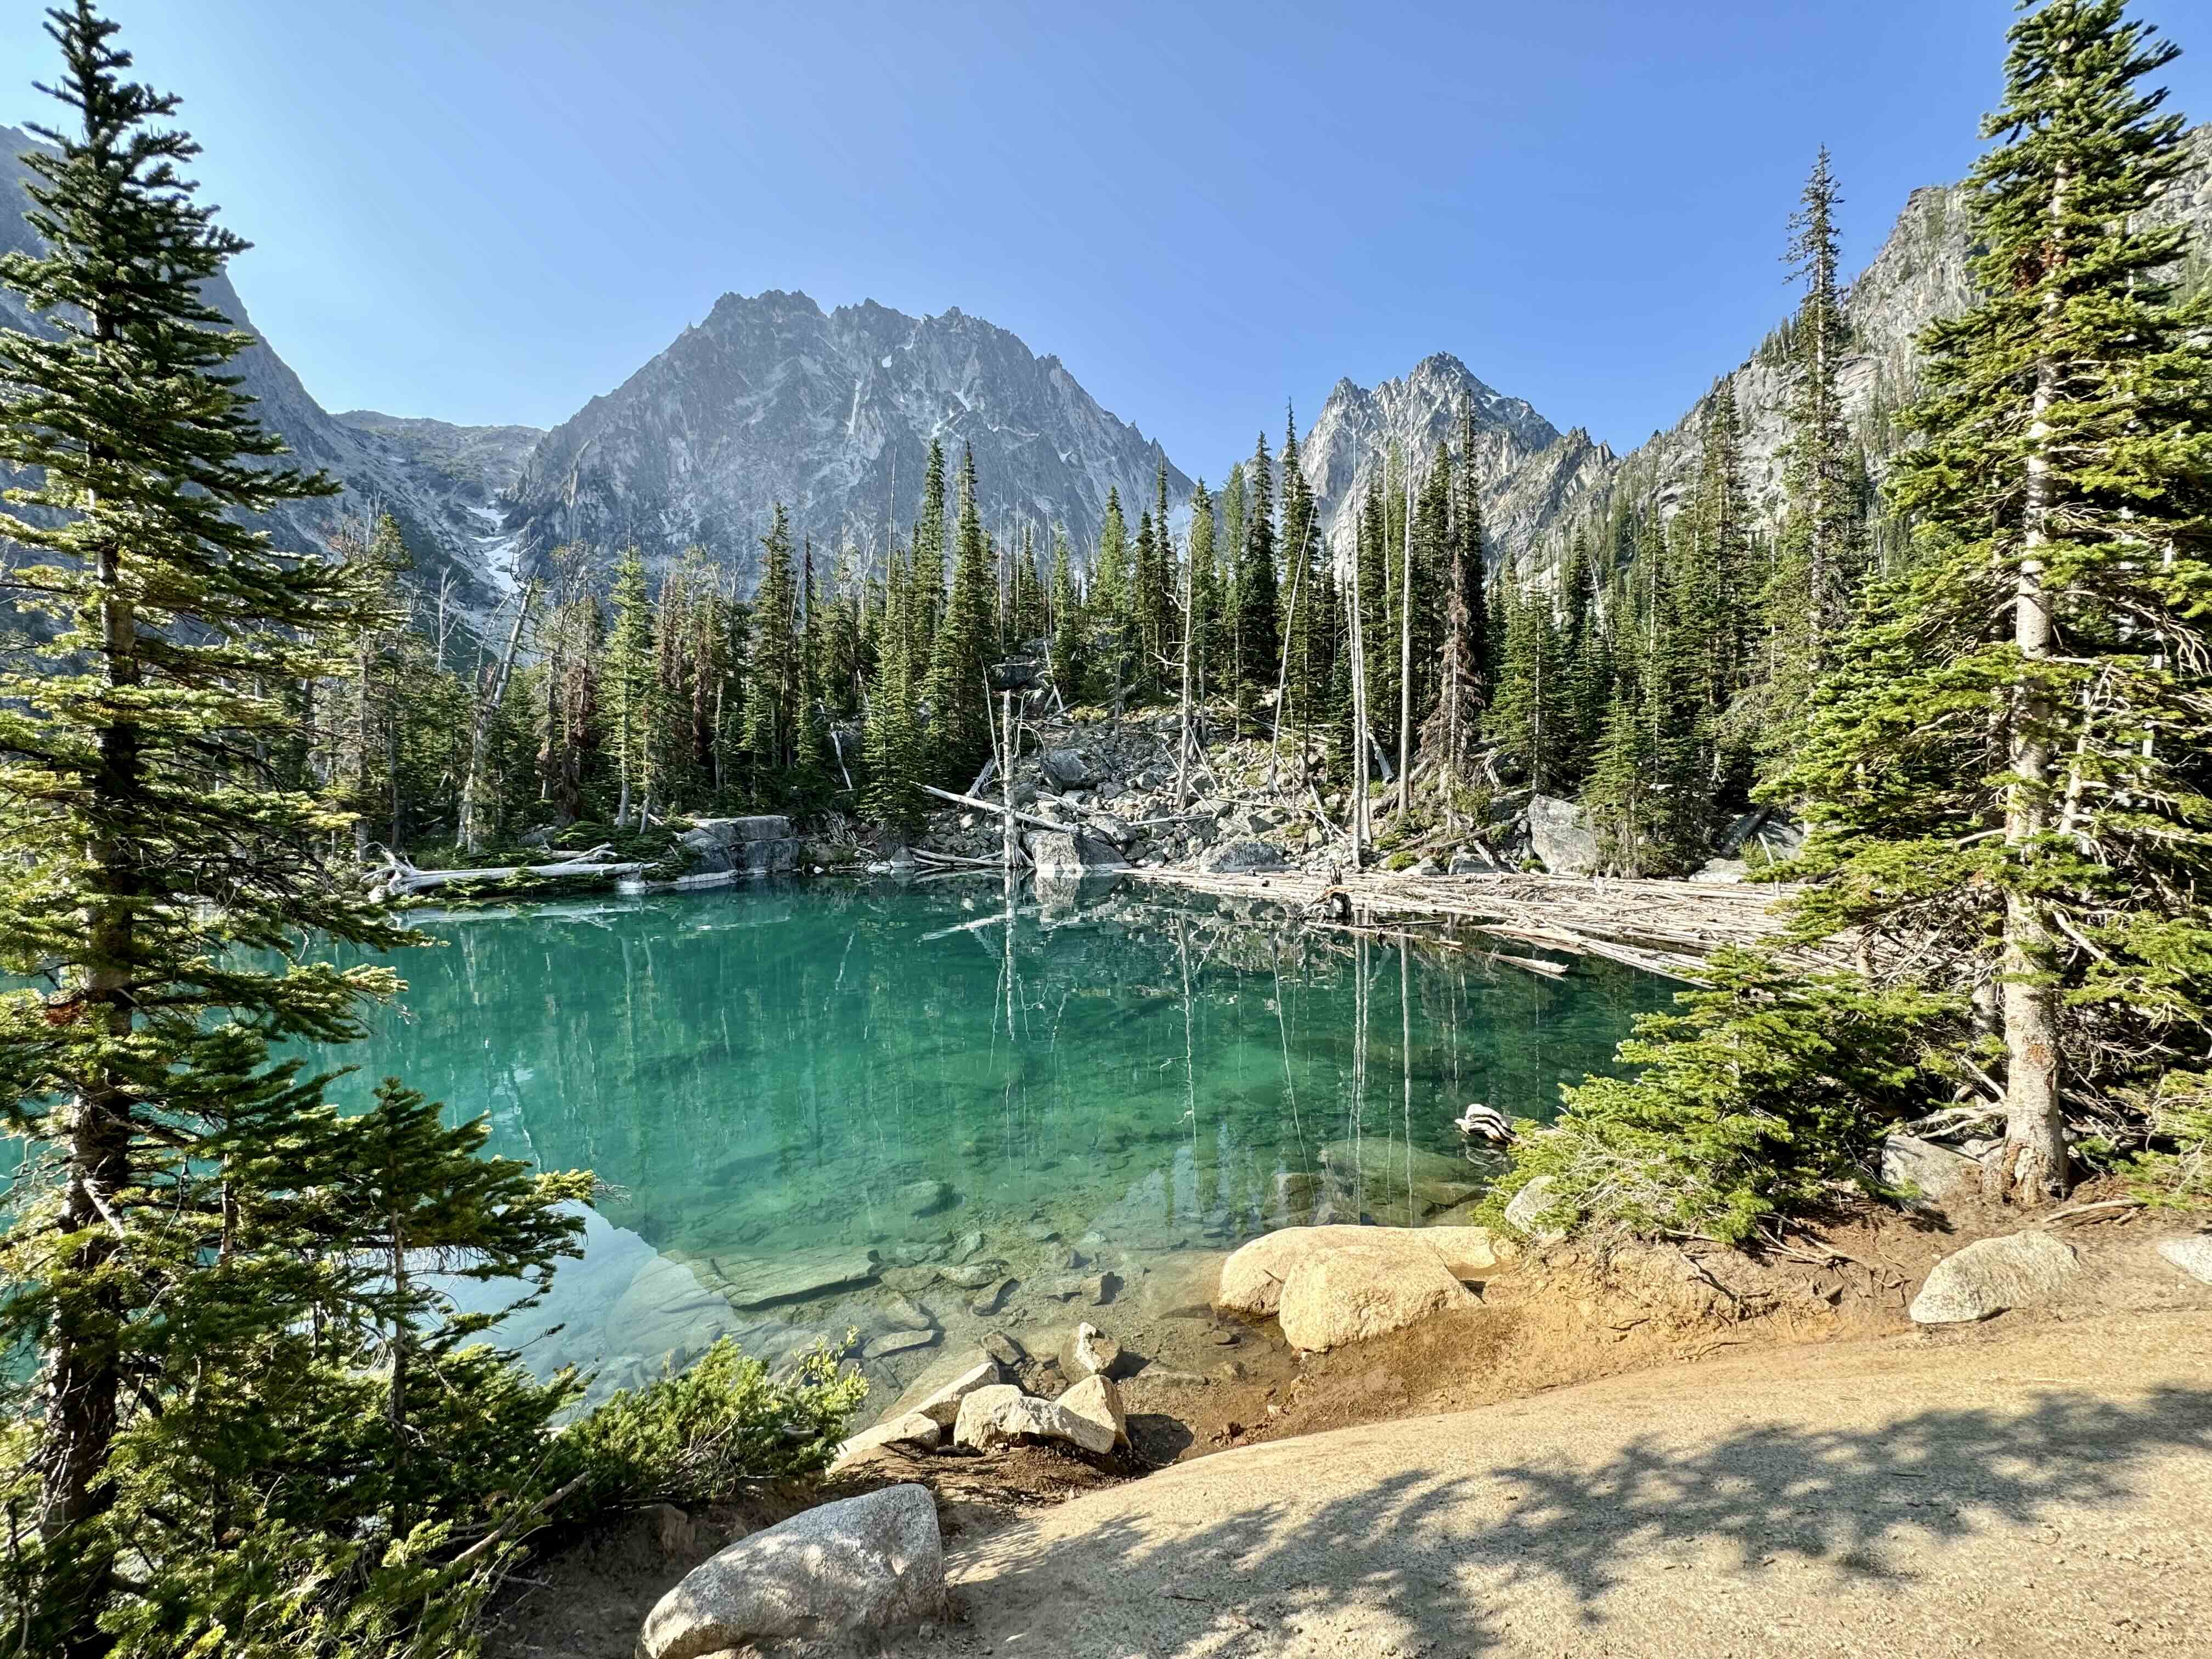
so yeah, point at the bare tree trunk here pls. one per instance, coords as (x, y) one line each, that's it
(1357, 645)
(1184, 742)
(2031, 1167)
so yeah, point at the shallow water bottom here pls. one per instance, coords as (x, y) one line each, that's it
(913, 1114)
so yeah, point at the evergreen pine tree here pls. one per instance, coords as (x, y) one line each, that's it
(774, 669)
(959, 700)
(1259, 642)
(627, 681)
(1066, 622)
(2012, 760)
(160, 881)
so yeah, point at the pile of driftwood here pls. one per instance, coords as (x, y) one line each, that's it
(399, 878)
(1661, 927)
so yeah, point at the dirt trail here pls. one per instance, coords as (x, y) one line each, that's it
(2042, 1490)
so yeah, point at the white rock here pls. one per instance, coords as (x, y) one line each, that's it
(2016, 1270)
(941, 1404)
(869, 1563)
(1097, 1401)
(1095, 1352)
(1002, 1414)
(2193, 1256)
(1252, 1278)
(913, 1429)
(1357, 1291)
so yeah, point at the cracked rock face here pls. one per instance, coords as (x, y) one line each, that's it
(772, 398)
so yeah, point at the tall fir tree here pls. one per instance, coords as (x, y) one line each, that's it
(959, 700)
(628, 680)
(161, 879)
(2011, 762)
(773, 665)
(1259, 638)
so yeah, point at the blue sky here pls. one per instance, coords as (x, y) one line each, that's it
(493, 211)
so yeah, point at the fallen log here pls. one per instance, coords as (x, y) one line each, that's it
(402, 879)
(1016, 813)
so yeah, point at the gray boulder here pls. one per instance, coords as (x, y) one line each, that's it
(1059, 854)
(2193, 1256)
(1068, 768)
(2016, 1270)
(1527, 1209)
(706, 850)
(871, 1563)
(1241, 858)
(1002, 1414)
(1939, 1177)
(1559, 836)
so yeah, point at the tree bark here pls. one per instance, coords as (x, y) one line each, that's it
(84, 1376)
(2031, 1167)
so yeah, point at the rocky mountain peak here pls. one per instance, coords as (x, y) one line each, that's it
(832, 414)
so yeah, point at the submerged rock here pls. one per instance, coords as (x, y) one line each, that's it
(869, 1563)
(2016, 1270)
(892, 1342)
(760, 1281)
(1390, 1170)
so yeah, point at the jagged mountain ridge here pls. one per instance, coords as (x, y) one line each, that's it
(1534, 500)
(449, 524)
(1528, 466)
(771, 399)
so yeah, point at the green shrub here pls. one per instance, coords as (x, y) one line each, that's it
(1757, 1100)
(2180, 1109)
(700, 1434)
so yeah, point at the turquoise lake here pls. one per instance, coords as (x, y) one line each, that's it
(802, 1099)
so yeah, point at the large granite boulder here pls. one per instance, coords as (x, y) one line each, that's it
(913, 1431)
(2014, 1270)
(1002, 1414)
(1358, 1291)
(1253, 1279)
(1241, 858)
(871, 1563)
(2192, 1255)
(1060, 854)
(1559, 836)
(760, 845)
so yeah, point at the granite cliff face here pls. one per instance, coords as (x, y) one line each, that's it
(448, 518)
(771, 399)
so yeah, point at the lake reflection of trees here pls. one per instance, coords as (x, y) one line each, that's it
(783, 1060)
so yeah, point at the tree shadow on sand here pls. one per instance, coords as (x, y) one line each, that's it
(1442, 1559)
